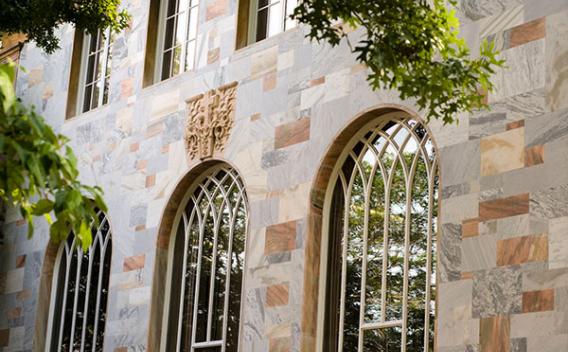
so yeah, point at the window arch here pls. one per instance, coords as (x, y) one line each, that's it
(206, 265)
(379, 255)
(80, 292)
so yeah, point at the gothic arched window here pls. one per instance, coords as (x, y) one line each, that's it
(380, 261)
(80, 292)
(207, 264)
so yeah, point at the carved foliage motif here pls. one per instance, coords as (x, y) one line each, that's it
(209, 121)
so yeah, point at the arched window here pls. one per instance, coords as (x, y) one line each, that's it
(380, 249)
(207, 264)
(80, 291)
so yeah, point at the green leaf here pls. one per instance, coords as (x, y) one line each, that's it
(43, 206)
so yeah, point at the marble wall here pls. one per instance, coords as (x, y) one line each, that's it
(503, 232)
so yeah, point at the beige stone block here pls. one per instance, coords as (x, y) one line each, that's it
(548, 343)
(165, 104)
(524, 71)
(246, 162)
(557, 61)
(523, 325)
(503, 152)
(501, 21)
(264, 62)
(456, 333)
(139, 296)
(460, 208)
(337, 85)
(311, 96)
(124, 120)
(294, 203)
(14, 281)
(285, 60)
(457, 299)
(558, 243)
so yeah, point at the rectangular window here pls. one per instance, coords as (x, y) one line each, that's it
(270, 17)
(178, 37)
(96, 62)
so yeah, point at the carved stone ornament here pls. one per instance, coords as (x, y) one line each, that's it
(209, 122)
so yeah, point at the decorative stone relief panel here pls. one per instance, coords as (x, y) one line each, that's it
(210, 120)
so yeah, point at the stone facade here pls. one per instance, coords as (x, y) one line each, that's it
(503, 229)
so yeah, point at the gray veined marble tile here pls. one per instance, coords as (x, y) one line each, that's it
(497, 292)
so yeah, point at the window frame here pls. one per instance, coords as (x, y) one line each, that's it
(161, 33)
(253, 20)
(83, 70)
(326, 231)
(197, 182)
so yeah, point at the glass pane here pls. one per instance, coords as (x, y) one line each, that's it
(237, 262)
(263, 3)
(220, 271)
(171, 8)
(396, 237)
(93, 41)
(262, 24)
(375, 244)
(190, 56)
(181, 28)
(97, 88)
(166, 64)
(205, 278)
(87, 98)
(290, 6)
(169, 33)
(275, 19)
(89, 77)
(193, 19)
(354, 241)
(418, 254)
(176, 60)
(384, 340)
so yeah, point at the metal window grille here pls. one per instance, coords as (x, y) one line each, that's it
(380, 288)
(179, 37)
(97, 60)
(207, 266)
(80, 292)
(273, 17)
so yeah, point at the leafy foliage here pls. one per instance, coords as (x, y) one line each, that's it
(38, 19)
(35, 175)
(409, 45)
